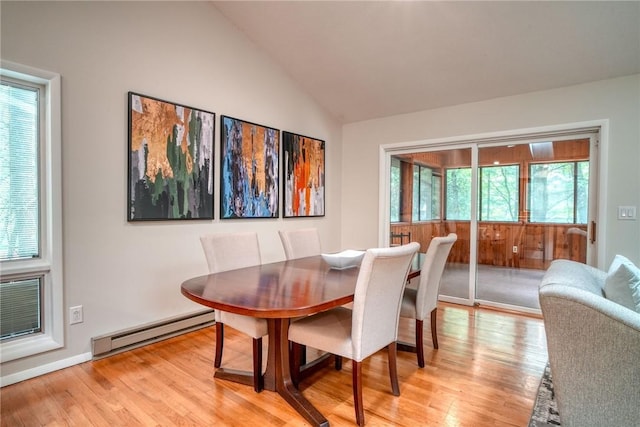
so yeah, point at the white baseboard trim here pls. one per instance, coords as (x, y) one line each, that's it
(44, 369)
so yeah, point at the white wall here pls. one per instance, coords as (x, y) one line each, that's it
(127, 274)
(617, 100)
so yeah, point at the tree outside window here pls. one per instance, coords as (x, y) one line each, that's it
(559, 192)
(436, 202)
(499, 193)
(395, 201)
(458, 194)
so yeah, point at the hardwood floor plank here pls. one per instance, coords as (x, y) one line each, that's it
(485, 373)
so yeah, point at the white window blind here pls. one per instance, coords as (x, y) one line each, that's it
(20, 305)
(20, 299)
(19, 178)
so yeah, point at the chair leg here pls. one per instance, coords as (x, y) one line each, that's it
(434, 330)
(258, 381)
(393, 368)
(295, 361)
(219, 343)
(338, 362)
(420, 342)
(357, 391)
(303, 355)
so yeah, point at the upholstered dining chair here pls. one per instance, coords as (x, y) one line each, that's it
(422, 302)
(300, 243)
(230, 251)
(371, 325)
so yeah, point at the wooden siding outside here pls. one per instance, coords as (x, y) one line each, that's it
(536, 244)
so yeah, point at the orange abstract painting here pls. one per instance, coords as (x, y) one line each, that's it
(303, 175)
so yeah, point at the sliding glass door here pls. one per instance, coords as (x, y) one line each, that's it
(430, 194)
(516, 205)
(533, 200)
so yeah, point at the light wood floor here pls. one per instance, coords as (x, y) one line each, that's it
(485, 373)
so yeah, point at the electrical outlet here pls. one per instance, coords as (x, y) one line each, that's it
(75, 314)
(515, 249)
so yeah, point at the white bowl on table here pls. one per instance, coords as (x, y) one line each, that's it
(345, 259)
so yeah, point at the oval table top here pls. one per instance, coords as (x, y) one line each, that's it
(277, 290)
(284, 289)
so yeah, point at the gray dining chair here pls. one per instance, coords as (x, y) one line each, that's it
(422, 303)
(300, 243)
(230, 251)
(370, 326)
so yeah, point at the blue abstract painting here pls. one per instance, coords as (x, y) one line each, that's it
(249, 170)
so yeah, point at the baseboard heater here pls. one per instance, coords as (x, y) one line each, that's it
(117, 342)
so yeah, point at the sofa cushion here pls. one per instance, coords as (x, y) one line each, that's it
(617, 261)
(623, 283)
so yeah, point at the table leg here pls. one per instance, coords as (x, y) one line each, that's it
(278, 375)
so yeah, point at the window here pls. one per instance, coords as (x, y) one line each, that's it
(415, 192)
(499, 193)
(436, 198)
(395, 190)
(19, 206)
(458, 194)
(426, 194)
(30, 215)
(558, 192)
(497, 197)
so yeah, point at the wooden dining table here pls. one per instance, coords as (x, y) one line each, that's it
(279, 292)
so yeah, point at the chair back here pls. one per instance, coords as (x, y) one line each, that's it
(230, 251)
(378, 294)
(300, 243)
(431, 273)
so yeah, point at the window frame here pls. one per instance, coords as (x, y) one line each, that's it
(50, 263)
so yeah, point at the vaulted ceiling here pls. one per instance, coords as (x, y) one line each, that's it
(367, 59)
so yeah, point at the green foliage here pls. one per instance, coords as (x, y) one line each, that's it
(499, 193)
(559, 192)
(458, 194)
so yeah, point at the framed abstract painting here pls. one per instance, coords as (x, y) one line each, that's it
(170, 160)
(304, 173)
(249, 170)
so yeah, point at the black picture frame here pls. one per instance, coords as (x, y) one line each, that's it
(249, 170)
(170, 160)
(303, 169)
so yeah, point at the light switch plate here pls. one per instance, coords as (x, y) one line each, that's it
(626, 212)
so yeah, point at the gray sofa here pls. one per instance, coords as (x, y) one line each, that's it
(594, 348)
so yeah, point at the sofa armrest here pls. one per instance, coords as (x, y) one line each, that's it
(594, 353)
(576, 275)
